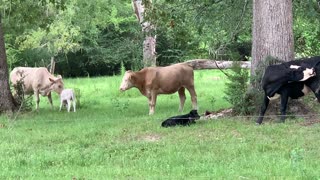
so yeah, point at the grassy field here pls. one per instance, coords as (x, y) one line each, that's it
(111, 136)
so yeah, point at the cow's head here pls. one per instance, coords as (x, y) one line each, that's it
(56, 84)
(127, 81)
(303, 72)
(308, 73)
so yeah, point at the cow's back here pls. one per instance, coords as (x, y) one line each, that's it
(171, 78)
(33, 78)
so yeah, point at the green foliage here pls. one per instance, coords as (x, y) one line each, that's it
(94, 37)
(236, 90)
(24, 102)
(306, 29)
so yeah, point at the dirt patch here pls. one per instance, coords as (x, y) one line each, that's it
(310, 123)
(150, 137)
(295, 109)
(217, 114)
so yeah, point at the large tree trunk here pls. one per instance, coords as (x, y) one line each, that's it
(149, 43)
(272, 31)
(6, 99)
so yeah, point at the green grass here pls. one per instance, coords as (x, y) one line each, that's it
(112, 137)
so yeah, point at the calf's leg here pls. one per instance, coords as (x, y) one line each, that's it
(61, 103)
(263, 109)
(182, 97)
(74, 105)
(69, 104)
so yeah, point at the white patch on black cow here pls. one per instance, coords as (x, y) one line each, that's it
(294, 67)
(309, 72)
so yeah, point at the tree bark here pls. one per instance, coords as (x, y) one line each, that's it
(149, 43)
(6, 98)
(272, 31)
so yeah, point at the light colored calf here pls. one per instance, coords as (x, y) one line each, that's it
(66, 96)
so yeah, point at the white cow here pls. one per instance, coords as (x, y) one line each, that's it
(66, 96)
(37, 81)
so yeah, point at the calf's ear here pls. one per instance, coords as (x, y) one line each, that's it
(59, 77)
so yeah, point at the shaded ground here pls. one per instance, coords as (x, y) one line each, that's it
(306, 108)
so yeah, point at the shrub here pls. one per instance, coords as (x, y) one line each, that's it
(236, 90)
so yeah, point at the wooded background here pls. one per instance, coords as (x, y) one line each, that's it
(92, 38)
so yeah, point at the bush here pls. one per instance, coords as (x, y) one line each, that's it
(24, 102)
(236, 90)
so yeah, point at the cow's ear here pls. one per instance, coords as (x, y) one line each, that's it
(130, 76)
(51, 80)
(59, 77)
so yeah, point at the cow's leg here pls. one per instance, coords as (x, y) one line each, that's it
(193, 95)
(283, 108)
(152, 102)
(263, 109)
(50, 99)
(182, 97)
(36, 94)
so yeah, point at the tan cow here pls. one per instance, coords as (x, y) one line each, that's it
(152, 81)
(37, 81)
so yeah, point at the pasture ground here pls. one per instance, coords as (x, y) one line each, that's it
(111, 136)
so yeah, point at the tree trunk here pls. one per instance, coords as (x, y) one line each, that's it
(149, 43)
(6, 99)
(52, 65)
(272, 31)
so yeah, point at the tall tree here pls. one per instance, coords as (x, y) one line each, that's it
(272, 32)
(6, 99)
(149, 43)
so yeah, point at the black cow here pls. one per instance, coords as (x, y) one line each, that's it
(294, 80)
(184, 120)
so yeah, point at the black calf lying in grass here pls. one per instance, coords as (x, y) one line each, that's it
(183, 120)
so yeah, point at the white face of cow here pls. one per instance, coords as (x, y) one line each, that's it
(308, 73)
(57, 84)
(126, 81)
